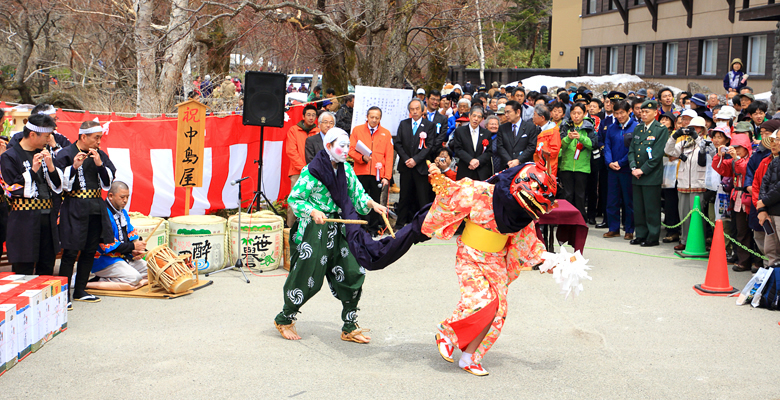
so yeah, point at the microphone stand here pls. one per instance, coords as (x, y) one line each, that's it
(239, 263)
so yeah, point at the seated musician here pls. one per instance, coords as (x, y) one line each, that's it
(120, 262)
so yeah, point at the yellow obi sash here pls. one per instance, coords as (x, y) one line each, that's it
(482, 239)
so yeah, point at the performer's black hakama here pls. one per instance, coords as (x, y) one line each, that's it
(84, 222)
(33, 240)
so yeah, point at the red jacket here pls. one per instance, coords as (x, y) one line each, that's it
(295, 145)
(724, 168)
(549, 141)
(381, 146)
(758, 177)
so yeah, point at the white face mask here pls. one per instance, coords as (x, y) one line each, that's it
(687, 106)
(339, 149)
(722, 124)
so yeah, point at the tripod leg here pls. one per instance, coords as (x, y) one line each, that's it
(239, 265)
(269, 203)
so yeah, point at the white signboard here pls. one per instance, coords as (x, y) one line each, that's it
(393, 103)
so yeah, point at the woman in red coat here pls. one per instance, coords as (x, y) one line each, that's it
(736, 167)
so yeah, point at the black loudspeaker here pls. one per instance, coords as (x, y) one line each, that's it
(264, 99)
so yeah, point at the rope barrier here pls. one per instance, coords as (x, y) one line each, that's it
(712, 224)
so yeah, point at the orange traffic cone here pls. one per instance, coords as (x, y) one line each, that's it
(716, 283)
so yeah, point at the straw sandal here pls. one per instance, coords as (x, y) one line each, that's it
(350, 337)
(286, 328)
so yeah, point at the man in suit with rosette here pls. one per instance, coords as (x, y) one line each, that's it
(413, 142)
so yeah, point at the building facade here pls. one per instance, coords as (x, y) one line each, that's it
(565, 34)
(675, 41)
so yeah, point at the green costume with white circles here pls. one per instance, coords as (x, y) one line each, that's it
(321, 251)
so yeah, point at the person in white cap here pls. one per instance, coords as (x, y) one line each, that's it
(685, 145)
(458, 89)
(725, 117)
(31, 180)
(421, 94)
(319, 249)
(228, 88)
(686, 117)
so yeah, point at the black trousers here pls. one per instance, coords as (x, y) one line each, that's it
(86, 258)
(744, 236)
(415, 193)
(371, 186)
(46, 255)
(574, 185)
(597, 189)
(671, 214)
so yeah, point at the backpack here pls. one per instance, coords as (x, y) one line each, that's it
(770, 297)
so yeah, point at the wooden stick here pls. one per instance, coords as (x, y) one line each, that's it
(347, 221)
(390, 228)
(155, 228)
(150, 235)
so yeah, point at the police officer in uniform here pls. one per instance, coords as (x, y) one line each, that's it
(645, 157)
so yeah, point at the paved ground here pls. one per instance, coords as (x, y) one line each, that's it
(637, 331)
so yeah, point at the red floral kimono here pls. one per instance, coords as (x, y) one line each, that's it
(484, 277)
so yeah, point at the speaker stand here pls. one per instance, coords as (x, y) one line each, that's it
(259, 195)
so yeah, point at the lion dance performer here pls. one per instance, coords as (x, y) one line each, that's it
(498, 240)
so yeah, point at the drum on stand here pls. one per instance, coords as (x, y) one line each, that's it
(169, 271)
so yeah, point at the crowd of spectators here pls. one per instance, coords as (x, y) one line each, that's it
(667, 147)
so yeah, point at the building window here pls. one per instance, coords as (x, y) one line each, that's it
(591, 6)
(671, 59)
(613, 60)
(612, 5)
(639, 2)
(756, 60)
(709, 56)
(639, 60)
(591, 60)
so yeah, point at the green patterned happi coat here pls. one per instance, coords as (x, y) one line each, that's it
(322, 251)
(309, 194)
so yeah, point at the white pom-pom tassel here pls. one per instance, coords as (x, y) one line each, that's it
(569, 270)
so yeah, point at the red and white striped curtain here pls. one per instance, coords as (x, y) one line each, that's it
(142, 149)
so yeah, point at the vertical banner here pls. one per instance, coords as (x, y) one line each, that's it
(392, 102)
(190, 140)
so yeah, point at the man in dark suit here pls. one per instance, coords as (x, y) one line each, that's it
(516, 139)
(315, 143)
(471, 143)
(439, 122)
(413, 142)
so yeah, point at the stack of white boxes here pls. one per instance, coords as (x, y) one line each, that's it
(33, 310)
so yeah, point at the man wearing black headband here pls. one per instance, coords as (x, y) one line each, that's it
(84, 222)
(31, 179)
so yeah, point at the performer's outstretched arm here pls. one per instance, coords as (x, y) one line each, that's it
(523, 249)
(453, 203)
